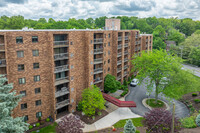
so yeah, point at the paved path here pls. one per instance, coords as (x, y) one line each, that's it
(195, 69)
(138, 93)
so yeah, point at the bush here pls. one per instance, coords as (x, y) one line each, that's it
(37, 124)
(124, 93)
(197, 100)
(198, 120)
(99, 113)
(80, 106)
(111, 84)
(160, 120)
(190, 106)
(189, 122)
(30, 127)
(47, 119)
(194, 94)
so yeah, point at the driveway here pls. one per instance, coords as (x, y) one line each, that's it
(195, 69)
(138, 93)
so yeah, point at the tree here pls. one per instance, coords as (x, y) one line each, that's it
(8, 101)
(198, 120)
(92, 99)
(187, 26)
(70, 124)
(160, 121)
(129, 127)
(194, 56)
(111, 84)
(176, 36)
(159, 68)
(42, 20)
(158, 43)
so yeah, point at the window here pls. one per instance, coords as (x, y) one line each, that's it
(108, 69)
(24, 106)
(108, 61)
(20, 54)
(35, 52)
(20, 67)
(23, 93)
(25, 118)
(109, 35)
(34, 39)
(37, 90)
(36, 65)
(38, 102)
(108, 43)
(38, 114)
(108, 52)
(19, 39)
(71, 43)
(37, 78)
(22, 80)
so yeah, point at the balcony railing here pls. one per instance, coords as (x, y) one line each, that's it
(119, 62)
(61, 56)
(61, 43)
(125, 74)
(61, 68)
(98, 80)
(119, 46)
(146, 40)
(125, 52)
(119, 70)
(2, 62)
(118, 77)
(126, 66)
(126, 45)
(61, 78)
(125, 59)
(119, 38)
(62, 103)
(2, 48)
(126, 38)
(98, 60)
(98, 51)
(119, 54)
(63, 91)
(98, 70)
(136, 36)
(98, 41)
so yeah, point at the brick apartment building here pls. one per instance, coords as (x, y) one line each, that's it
(52, 67)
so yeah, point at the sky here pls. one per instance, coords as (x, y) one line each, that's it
(83, 9)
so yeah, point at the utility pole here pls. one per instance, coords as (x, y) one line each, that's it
(173, 115)
(181, 52)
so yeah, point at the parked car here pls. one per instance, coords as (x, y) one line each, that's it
(134, 82)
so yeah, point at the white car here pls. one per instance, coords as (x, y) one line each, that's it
(134, 82)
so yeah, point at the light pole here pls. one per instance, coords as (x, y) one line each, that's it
(181, 47)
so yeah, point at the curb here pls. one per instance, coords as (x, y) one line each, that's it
(147, 106)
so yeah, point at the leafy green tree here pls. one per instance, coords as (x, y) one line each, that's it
(42, 20)
(8, 101)
(187, 26)
(197, 32)
(159, 31)
(176, 36)
(16, 22)
(129, 127)
(194, 56)
(159, 68)
(111, 84)
(92, 99)
(158, 43)
(51, 20)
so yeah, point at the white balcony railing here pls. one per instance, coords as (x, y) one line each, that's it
(2, 62)
(98, 60)
(119, 69)
(98, 80)
(62, 103)
(98, 70)
(98, 51)
(119, 54)
(126, 66)
(119, 38)
(61, 78)
(125, 59)
(98, 41)
(61, 43)
(119, 62)
(126, 38)
(126, 45)
(125, 52)
(119, 77)
(119, 46)
(60, 56)
(63, 91)
(61, 68)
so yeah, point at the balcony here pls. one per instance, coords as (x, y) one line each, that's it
(98, 61)
(139, 48)
(2, 62)
(60, 56)
(125, 52)
(126, 45)
(119, 62)
(62, 103)
(136, 42)
(119, 77)
(119, 46)
(98, 80)
(125, 59)
(98, 51)
(135, 49)
(63, 91)
(146, 40)
(136, 36)
(64, 43)
(126, 38)
(2, 48)
(98, 41)
(61, 80)
(119, 54)
(98, 70)
(125, 67)
(61, 68)
(120, 38)
(119, 70)
(125, 73)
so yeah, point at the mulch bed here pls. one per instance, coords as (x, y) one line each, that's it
(189, 99)
(43, 124)
(89, 120)
(119, 130)
(192, 130)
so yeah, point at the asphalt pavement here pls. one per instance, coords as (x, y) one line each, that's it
(194, 69)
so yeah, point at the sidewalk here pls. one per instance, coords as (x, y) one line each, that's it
(110, 119)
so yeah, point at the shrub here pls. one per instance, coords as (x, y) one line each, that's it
(99, 113)
(129, 127)
(37, 124)
(80, 106)
(188, 122)
(197, 100)
(190, 106)
(160, 120)
(47, 119)
(198, 120)
(124, 93)
(93, 117)
(111, 84)
(70, 124)
(194, 94)
(30, 127)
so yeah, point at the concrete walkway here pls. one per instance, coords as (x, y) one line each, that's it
(110, 119)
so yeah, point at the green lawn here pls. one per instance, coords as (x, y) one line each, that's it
(152, 103)
(137, 122)
(48, 129)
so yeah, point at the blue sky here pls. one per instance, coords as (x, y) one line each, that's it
(65, 9)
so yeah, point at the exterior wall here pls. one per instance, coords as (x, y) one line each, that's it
(80, 61)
